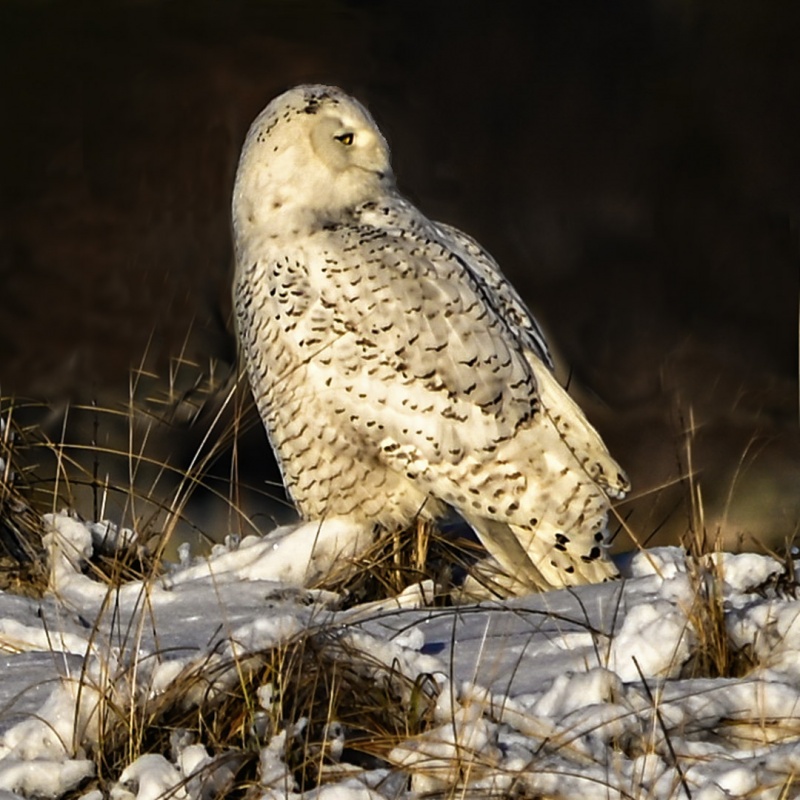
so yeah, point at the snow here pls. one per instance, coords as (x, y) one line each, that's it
(299, 554)
(584, 693)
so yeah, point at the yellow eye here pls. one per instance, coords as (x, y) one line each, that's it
(345, 138)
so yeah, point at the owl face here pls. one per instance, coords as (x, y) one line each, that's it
(312, 152)
(344, 142)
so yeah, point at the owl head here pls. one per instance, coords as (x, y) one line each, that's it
(312, 153)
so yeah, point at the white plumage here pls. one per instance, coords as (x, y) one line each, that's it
(395, 368)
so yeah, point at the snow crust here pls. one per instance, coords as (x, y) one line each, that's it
(577, 693)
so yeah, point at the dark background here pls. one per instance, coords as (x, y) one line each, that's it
(634, 166)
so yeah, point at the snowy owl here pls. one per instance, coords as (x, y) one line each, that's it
(397, 371)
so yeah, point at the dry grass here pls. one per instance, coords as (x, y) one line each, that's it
(714, 654)
(22, 557)
(141, 464)
(326, 707)
(405, 558)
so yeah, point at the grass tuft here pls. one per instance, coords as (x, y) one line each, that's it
(22, 555)
(326, 707)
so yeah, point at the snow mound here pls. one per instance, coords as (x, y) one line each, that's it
(601, 691)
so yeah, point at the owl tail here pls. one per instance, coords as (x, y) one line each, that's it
(540, 559)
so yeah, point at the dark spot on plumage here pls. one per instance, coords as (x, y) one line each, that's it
(450, 413)
(594, 554)
(493, 402)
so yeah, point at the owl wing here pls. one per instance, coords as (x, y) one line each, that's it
(487, 273)
(404, 344)
(577, 433)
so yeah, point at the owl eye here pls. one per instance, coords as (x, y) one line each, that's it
(345, 138)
